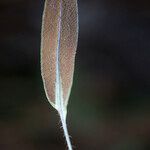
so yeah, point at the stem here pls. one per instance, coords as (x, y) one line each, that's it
(64, 125)
(58, 90)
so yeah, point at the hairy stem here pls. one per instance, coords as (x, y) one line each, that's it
(59, 91)
(64, 125)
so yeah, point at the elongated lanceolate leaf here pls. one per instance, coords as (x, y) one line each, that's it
(58, 48)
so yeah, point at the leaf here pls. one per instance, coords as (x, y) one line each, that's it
(58, 48)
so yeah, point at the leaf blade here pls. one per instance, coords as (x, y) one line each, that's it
(59, 35)
(58, 48)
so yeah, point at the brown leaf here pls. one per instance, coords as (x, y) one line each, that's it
(59, 39)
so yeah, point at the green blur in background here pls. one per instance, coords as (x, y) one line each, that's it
(109, 106)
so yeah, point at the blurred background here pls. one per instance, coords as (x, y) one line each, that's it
(109, 106)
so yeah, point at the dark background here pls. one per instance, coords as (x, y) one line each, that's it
(109, 106)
